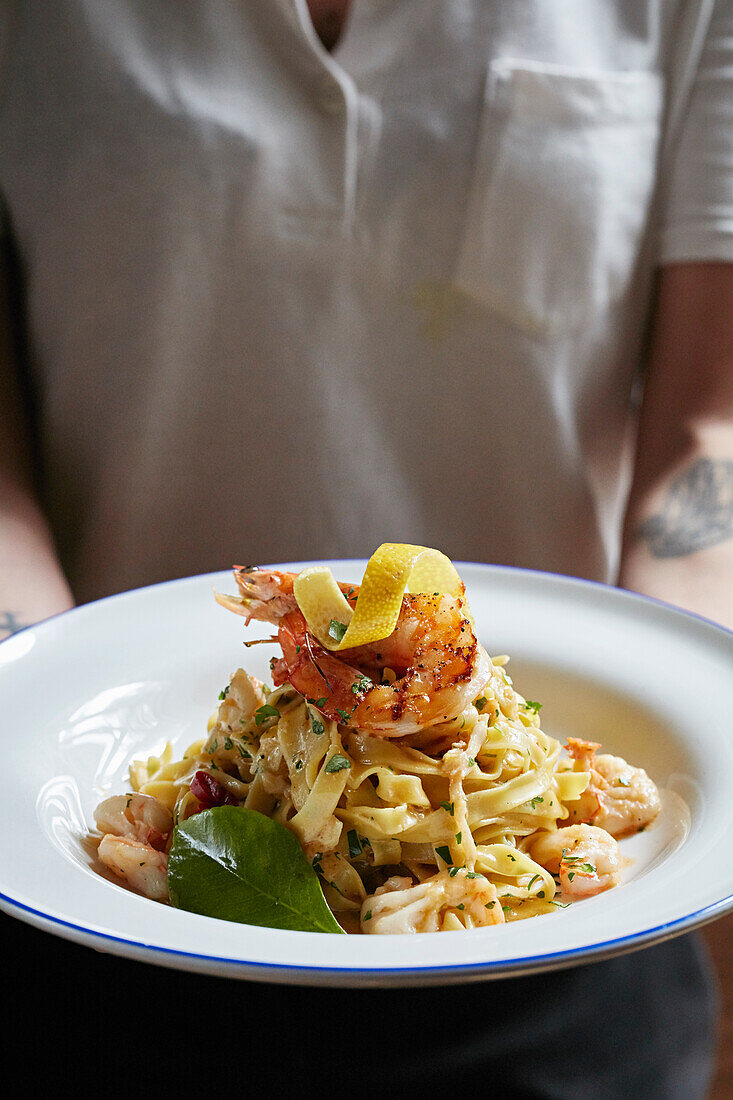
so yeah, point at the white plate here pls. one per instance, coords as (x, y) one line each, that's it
(85, 692)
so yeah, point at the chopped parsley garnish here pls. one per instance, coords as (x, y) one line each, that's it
(317, 726)
(531, 705)
(481, 703)
(265, 712)
(449, 807)
(337, 763)
(223, 694)
(444, 852)
(534, 802)
(343, 714)
(336, 630)
(354, 843)
(320, 703)
(363, 684)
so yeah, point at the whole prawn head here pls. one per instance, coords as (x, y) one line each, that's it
(427, 671)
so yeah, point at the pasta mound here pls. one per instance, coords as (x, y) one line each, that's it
(428, 832)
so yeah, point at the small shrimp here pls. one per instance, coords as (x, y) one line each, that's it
(586, 858)
(439, 668)
(137, 816)
(619, 798)
(267, 594)
(140, 866)
(401, 906)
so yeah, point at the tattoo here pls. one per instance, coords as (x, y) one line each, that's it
(9, 624)
(697, 514)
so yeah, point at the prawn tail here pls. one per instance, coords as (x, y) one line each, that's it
(578, 748)
(238, 604)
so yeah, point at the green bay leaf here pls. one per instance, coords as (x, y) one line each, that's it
(239, 865)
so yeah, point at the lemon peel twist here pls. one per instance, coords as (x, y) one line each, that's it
(393, 569)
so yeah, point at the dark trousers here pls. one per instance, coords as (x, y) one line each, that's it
(638, 1026)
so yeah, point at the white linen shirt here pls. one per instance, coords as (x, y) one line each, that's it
(282, 303)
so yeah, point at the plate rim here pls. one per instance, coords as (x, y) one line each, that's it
(265, 970)
(567, 578)
(488, 969)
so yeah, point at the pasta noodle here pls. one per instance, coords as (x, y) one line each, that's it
(363, 807)
(420, 786)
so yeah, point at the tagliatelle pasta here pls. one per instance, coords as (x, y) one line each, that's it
(466, 821)
(460, 803)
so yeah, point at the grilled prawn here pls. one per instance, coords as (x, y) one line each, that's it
(428, 670)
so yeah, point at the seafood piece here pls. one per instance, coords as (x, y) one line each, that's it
(619, 798)
(438, 665)
(233, 734)
(137, 864)
(400, 906)
(428, 670)
(271, 766)
(586, 858)
(435, 664)
(267, 594)
(137, 816)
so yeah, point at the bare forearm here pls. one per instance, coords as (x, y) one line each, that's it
(32, 583)
(678, 543)
(680, 548)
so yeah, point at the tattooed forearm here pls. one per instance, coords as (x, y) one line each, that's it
(697, 513)
(10, 624)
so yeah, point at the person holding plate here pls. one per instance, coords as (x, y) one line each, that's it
(285, 279)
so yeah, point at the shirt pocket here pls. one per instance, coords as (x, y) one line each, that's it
(560, 193)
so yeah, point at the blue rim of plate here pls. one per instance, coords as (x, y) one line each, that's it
(527, 964)
(508, 967)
